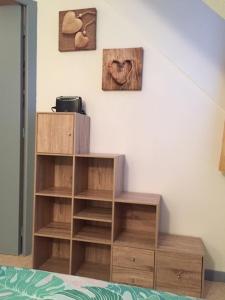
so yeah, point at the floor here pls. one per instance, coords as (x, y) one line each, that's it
(213, 290)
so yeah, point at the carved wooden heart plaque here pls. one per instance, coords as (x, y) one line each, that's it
(122, 69)
(77, 29)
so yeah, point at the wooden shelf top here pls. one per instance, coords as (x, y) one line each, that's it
(54, 154)
(55, 230)
(58, 113)
(63, 192)
(94, 270)
(101, 195)
(135, 239)
(55, 264)
(179, 243)
(99, 155)
(95, 214)
(139, 198)
(94, 234)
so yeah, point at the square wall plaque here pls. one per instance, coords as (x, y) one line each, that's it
(122, 69)
(77, 29)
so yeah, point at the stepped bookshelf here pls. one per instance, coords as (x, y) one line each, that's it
(86, 225)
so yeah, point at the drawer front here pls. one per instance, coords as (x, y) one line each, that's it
(134, 258)
(133, 277)
(179, 273)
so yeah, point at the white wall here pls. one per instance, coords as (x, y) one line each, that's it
(170, 131)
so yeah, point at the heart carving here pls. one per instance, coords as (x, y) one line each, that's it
(81, 40)
(120, 70)
(71, 24)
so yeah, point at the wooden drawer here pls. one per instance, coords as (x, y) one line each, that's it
(133, 277)
(179, 273)
(134, 258)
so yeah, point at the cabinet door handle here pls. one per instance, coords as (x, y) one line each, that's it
(70, 134)
(179, 274)
(133, 259)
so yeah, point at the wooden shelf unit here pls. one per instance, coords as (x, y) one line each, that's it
(59, 136)
(84, 224)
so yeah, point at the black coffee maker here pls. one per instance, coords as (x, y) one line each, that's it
(69, 104)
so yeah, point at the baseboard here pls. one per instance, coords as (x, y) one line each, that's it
(212, 275)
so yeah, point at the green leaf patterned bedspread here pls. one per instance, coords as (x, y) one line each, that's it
(22, 284)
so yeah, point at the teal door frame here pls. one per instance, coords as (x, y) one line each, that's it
(30, 45)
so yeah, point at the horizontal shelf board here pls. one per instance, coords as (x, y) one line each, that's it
(139, 198)
(94, 234)
(55, 230)
(95, 214)
(135, 239)
(98, 155)
(56, 192)
(54, 154)
(101, 195)
(182, 244)
(57, 113)
(56, 264)
(94, 270)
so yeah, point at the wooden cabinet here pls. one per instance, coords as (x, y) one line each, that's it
(179, 265)
(59, 137)
(62, 133)
(86, 225)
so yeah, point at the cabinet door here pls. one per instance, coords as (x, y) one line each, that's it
(179, 273)
(55, 133)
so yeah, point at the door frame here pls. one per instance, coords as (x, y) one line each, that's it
(30, 45)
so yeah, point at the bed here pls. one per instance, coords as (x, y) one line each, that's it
(22, 284)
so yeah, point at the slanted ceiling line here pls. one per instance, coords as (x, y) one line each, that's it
(217, 5)
(188, 76)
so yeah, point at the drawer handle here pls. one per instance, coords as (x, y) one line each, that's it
(70, 134)
(133, 259)
(179, 275)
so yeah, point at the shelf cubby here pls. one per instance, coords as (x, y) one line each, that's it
(92, 210)
(136, 224)
(54, 175)
(94, 177)
(53, 217)
(52, 255)
(92, 231)
(91, 260)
